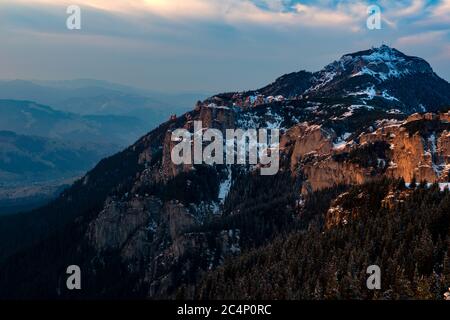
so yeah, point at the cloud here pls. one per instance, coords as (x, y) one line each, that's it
(415, 7)
(442, 11)
(444, 55)
(111, 5)
(171, 43)
(317, 16)
(430, 37)
(289, 12)
(435, 15)
(349, 15)
(245, 12)
(268, 12)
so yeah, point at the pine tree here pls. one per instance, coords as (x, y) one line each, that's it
(423, 289)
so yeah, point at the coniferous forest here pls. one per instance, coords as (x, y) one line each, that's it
(409, 240)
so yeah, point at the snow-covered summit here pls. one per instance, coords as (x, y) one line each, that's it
(381, 63)
(385, 62)
(382, 77)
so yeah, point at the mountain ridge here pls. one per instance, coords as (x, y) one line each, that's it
(366, 76)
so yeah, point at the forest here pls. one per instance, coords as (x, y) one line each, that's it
(409, 241)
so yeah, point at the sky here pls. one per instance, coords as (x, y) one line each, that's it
(209, 45)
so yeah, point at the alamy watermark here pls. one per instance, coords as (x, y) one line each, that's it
(74, 279)
(374, 280)
(374, 20)
(73, 21)
(261, 147)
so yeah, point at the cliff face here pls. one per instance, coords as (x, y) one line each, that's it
(217, 117)
(327, 172)
(211, 116)
(156, 239)
(304, 139)
(154, 235)
(418, 147)
(169, 169)
(310, 149)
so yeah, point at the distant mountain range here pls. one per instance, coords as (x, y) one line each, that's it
(94, 97)
(352, 148)
(78, 120)
(30, 118)
(28, 159)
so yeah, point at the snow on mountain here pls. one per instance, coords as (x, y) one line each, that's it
(399, 81)
(383, 77)
(381, 63)
(385, 62)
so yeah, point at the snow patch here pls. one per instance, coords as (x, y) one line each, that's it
(225, 186)
(387, 96)
(215, 106)
(341, 141)
(370, 92)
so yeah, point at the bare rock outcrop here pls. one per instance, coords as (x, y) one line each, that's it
(304, 139)
(122, 225)
(327, 173)
(418, 147)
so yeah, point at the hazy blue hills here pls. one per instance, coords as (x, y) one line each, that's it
(42, 149)
(52, 132)
(87, 97)
(30, 118)
(39, 158)
(33, 169)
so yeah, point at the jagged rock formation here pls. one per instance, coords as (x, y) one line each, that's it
(418, 147)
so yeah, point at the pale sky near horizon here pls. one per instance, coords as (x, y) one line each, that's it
(209, 45)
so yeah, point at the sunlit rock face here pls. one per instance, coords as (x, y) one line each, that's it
(415, 148)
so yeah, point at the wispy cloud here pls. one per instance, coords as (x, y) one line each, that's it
(274, 12)
(348, 14)
(413, 8)
(441, 12)
(430, 37)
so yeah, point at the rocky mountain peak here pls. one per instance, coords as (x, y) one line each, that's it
(383, 74)
(381, 64)
(384, 63)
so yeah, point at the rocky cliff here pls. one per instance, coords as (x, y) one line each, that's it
(417, 148)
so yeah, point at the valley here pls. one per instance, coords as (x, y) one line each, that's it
(44, 148)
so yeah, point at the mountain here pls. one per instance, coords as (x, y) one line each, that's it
(382, 76)
(140, 226)
(95, 97)
(34, 169)
(30, 118)
(43, 149)
(381, 223)
(408, 83)
(289, 85)
(24, 198)
(31, 158)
